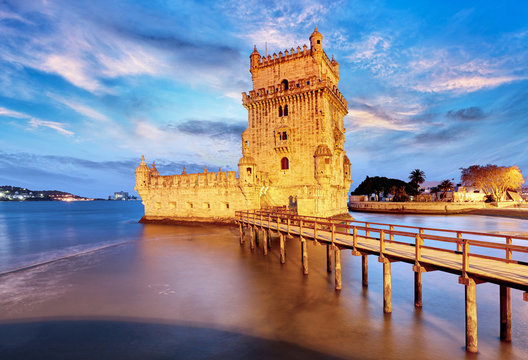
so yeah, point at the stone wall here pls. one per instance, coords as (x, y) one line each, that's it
(415, 207)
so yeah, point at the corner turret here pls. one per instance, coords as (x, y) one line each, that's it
(246, 170)
(143, 174)
(323, 157)
(254, 59)
(316, 42)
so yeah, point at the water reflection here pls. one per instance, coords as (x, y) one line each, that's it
(182, 278)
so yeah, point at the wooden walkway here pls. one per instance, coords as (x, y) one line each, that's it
(476, 257)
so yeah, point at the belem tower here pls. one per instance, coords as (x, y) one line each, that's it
(292, 150)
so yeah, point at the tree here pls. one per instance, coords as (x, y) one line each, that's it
(417, 177)
(445, 186)
(492, 179)
(435, 190)
(400, 194)
(377, 185)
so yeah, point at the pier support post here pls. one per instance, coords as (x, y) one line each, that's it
(418, 289)
(269, 239)
(329, 258)
(471, 316)
(505, 313)
(282, 249)
(304, 256)
(252, 238)
(265, 239)
(241, 233)
(364, 270)
(387, 291)
(338, 283)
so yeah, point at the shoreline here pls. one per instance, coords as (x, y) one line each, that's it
(409, 209)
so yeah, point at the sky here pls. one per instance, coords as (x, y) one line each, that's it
(87, 87)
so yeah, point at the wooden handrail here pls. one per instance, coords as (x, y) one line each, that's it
(333, 226)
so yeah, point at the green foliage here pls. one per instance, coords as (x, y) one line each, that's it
(381, 186)
(416, 177)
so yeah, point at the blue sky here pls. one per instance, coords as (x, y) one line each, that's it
(87, 87)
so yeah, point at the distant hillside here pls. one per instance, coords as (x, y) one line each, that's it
(15, 193)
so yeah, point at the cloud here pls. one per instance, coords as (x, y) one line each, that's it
(465, 84)
(470, 113)
(60, 128)
(34, 123)
(273, 21)
(437, 137)
(88, 48)
(80, 108)
(210, 128)
(363, 115)
(12, 114)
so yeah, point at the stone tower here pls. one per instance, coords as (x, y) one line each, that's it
(293, 147)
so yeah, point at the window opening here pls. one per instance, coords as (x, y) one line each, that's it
(280, 110)
(285, 164)
(248, 171)
(285, 83)
(284, 135)
(285, 110)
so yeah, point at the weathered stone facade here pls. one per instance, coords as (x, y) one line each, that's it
(292, 151)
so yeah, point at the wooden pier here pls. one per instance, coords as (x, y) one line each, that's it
(476, 257)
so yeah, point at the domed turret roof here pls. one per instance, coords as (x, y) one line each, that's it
(143, 166)
(255, 51)
(316, 33)
(322, 150)
(247, 160)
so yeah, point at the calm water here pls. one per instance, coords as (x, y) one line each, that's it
(111, 288)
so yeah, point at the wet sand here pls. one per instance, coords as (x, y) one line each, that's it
(195, 293)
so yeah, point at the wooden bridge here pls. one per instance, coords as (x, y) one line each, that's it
(476, 257)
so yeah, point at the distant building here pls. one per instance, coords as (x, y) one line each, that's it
(121, 195)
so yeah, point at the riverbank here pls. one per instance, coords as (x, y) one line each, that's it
(438, 208)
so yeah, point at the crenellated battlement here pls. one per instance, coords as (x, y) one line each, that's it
(298, 86)
(293, 54)
(205, 179)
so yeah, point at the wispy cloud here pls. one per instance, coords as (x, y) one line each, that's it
(35, 123)
(11, 113)
(60, 128)
(272, 22)
(383, 113)
(471, 113)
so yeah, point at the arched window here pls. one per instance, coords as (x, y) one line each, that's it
(285, 83)
(280, 110)
(285, 163)
(285, 110)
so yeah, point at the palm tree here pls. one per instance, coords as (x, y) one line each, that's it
(435, 190)
(446, 186)
(417, 176)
